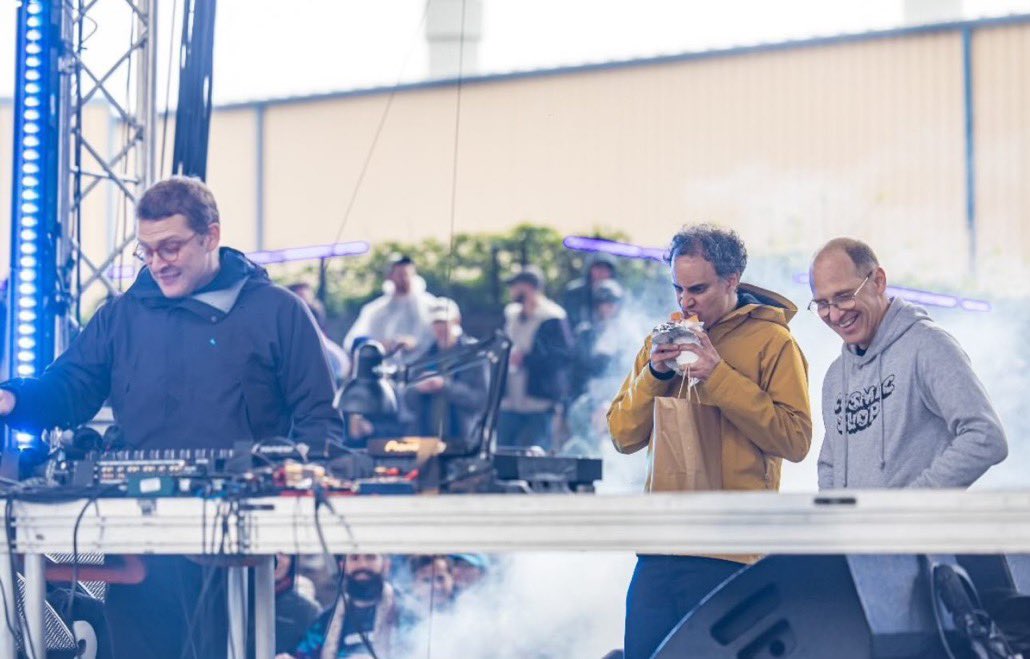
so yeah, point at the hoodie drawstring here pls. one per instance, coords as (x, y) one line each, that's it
(843, 431)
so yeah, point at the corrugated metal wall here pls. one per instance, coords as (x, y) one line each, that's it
(791, 146)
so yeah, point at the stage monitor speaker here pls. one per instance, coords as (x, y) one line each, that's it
(846, 607)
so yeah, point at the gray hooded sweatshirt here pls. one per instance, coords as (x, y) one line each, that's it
(910, 412)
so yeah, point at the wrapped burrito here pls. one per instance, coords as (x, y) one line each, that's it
(678, 330)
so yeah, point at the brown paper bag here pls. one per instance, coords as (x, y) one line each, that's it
(680, 458)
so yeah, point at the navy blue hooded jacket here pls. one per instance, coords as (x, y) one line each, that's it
(240, 359)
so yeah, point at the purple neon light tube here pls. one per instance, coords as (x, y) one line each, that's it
(584, 244)
(929, 298)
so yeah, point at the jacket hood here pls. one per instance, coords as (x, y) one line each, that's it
(235, 273)
(758, 303)
(899, 318)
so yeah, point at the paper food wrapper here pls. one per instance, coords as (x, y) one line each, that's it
(678, 330)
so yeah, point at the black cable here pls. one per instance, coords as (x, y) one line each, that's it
(341, 594)
(69, 605)
(467, 475)
(188, 641)
(193, 109)
(14, 575)
(362, 634)
(379, 127)
(454, 154)
(432, 585)
(343, 598)
(221, 518)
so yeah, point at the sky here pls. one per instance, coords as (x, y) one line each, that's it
(275, 48)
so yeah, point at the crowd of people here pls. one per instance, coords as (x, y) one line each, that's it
(563, 355)
(370, 605)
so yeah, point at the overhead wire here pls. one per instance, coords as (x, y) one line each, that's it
(379, 127)
(162, 163)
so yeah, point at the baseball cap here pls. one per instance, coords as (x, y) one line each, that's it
(444, 310)
(607, 290)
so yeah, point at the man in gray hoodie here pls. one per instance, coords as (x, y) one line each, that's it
(901, 405)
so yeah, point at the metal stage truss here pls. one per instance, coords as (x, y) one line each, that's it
(121, 167)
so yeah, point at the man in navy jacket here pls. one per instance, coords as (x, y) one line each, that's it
(201, 351)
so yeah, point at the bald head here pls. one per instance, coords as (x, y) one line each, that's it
(860, 254)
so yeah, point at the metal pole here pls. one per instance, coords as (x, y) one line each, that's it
(35, 603)
(65, 146)
(236, 592)
(264, 608)
(147, 95)
(969, 112)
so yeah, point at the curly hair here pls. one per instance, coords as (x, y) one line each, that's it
(723, 248)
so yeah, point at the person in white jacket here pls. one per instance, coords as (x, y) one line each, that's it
(399, 318)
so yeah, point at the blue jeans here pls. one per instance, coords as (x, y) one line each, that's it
(662, 591)
(525, 429)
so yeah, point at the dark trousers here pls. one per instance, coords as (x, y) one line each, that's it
(525, 429)
(662, 591)
(166, 616)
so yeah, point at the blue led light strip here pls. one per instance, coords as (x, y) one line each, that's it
(30, 335)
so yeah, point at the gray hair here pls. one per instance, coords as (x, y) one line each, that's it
(723, 248)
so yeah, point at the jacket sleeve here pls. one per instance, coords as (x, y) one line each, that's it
(631, 413)
(467, 389)
(950, 389)
(825, 464)
(72, 389)
(775, 415)
(305, 378)
(361, 327)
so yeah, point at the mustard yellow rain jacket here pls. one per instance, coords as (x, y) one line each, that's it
(756, 399)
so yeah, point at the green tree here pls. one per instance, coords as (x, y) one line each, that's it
(471, 269)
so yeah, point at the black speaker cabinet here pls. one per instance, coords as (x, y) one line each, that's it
(845, 607)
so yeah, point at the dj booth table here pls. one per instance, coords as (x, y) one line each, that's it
(885, 522)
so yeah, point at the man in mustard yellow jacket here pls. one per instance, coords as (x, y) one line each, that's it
(751, 398)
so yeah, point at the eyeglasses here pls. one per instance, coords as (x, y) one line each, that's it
(843, 302)
(168, 251)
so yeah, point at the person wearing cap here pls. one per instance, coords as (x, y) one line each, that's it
(468, 570)
(446, 405)
(578, 300)
(399, 318)
(541, 358)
